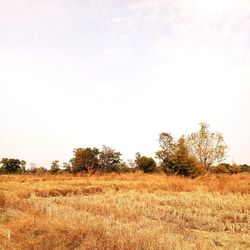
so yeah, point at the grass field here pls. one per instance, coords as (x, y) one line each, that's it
(128, 211)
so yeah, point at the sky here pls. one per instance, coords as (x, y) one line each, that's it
(87, 73)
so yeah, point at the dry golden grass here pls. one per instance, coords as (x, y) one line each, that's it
(128, 211)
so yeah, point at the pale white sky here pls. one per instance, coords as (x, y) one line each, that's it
(92, 72)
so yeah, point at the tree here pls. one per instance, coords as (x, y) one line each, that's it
(167, 151)
(85, 160)
(146, 164)
(176, 158)
(67, 167)
(55, 167)
(109, 160)
(184, 163)
(12, 165)
(208, 147)
(22, 166)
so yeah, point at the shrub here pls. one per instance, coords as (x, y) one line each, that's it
(225, 168)
(234, 169)
(182, 163)
(146, 164)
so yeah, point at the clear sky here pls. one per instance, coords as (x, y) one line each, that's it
(79, 73)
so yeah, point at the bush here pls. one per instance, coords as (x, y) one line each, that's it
(186, 167)
(146, 164)
(182, 163)
(37, 171)
(234, 169)
(245, 168)
(225, 168)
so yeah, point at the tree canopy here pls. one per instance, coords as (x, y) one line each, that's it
(208, 147)
(146, 164)
(85, 160)
(10, 165)
(176, 158)
(109, 160)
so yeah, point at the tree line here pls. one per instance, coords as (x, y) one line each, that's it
(193, 155)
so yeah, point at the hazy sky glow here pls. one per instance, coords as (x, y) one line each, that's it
(78, 73)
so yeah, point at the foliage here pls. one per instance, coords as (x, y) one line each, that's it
(55, 167)
(207, 146)
(37, 170)
(167, 145)
(109, 160)
(10, 165)
(226, 169)
(234, 169)
(85, 160)
(184, 163)
(67, 167)
(221, 168)
(146, 164)
(188, 156)
(245, 168)
(176, 157)
(124, 168)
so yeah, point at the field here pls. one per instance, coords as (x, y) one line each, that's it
(128, 211)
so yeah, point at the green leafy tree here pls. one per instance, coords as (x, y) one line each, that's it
(146, 164)
(207, 146)
(85, 160)
(109, 160)
(10, 165)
